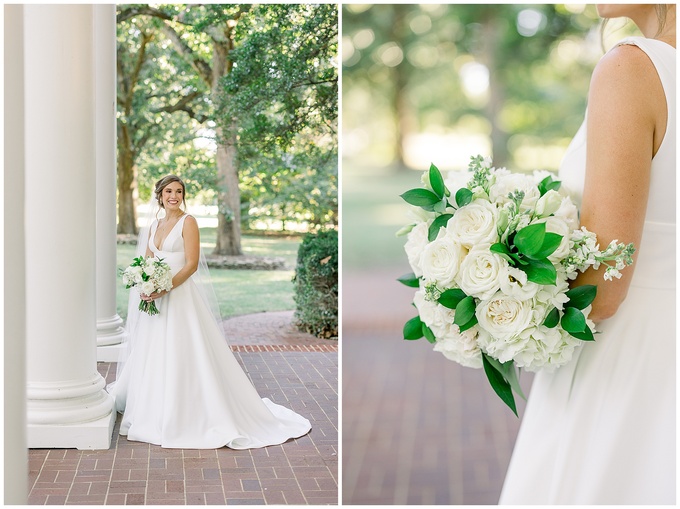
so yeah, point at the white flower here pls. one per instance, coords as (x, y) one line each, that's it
(147, 287)
(481, 272)
(460, 347)
(569, 213)
(456, 180)
(503, 316)
(150, 266)
(415, 244)
(515, 284)
(512, 182)
(475, 224)
(136, 274)
(440, 260)
(549, 203)
(553, 296)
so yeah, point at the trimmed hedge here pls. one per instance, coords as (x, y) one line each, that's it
(316, 284)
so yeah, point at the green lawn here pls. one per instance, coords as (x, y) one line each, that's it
(238, 292)
(372, 212)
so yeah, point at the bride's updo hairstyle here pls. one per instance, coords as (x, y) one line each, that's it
(162, 183)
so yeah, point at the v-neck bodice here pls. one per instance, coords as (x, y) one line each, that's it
(172, 247)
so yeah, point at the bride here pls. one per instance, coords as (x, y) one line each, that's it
(181, 386)
(601, 430)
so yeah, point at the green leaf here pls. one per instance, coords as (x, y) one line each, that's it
(413, 329)
(436, 181)
(409, 279)
(440, 206)
(499, 384)
(548, 184)
(586, 335)
(451, 298)
(438, 222)
(421, 198)
(405, 230)
(429, 335)
(550, 243)
(463, 197)
(541, 272)
(573, 321)
(529, 240)
(581, 297)
(552, 319)
(507, 369)
(499, 248)
(471, 323)
(465, 310)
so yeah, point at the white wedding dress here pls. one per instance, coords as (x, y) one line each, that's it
(182, 387)
(601, 430)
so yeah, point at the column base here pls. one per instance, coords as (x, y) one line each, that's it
(84, 436)
(109, 353)
(110, 331)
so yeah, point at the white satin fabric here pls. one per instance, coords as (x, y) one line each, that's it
(182, 387)
(601, 430)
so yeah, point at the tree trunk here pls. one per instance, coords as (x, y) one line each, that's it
(127, 207)
(229, 212)
(499, 138)
(400, 104)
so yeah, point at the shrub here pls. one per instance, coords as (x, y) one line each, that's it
(316, 284)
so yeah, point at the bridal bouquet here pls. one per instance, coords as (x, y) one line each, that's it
(148, 276)
(492, 260)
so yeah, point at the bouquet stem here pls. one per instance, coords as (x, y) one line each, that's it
(148, 307)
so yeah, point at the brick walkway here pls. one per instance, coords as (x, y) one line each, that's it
(299, 372)
(417, 428)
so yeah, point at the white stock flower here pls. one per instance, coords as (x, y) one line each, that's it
(460, 347)
(511, 182)
(515, 284)
(441, 258)
(481, 272)
(475, 224)
(415, 244)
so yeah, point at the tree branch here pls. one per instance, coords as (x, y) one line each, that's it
(202, 67)
(138, 10)
(183, 105)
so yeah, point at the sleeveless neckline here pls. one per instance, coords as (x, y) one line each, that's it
(155, 229)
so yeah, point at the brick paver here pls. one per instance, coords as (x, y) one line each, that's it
(417, 428)
(300, 373)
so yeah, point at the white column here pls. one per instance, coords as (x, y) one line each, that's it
(110, 331)
(67, 405)
(16, 458)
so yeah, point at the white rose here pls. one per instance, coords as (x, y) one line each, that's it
(441, 259)
(136, 275)
(147, 287)
(461, 347)
(415, 244)
(475, 224)
(149, 267)
(549, 203)
(569, 213)
(503, 316)
(507, 184)
(502, 321)
(515, 284)
(481, 272)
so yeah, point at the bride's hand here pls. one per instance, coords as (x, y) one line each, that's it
(153, 296)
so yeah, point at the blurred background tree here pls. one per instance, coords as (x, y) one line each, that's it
(439, 83)
(428, 82)
(180, 110)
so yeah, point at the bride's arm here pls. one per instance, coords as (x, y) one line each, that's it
(626, 106)
(192, 247)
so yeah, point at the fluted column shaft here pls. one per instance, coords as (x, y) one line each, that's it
(67, 405)
(110, 331)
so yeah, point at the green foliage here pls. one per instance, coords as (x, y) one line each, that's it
(316, 284)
